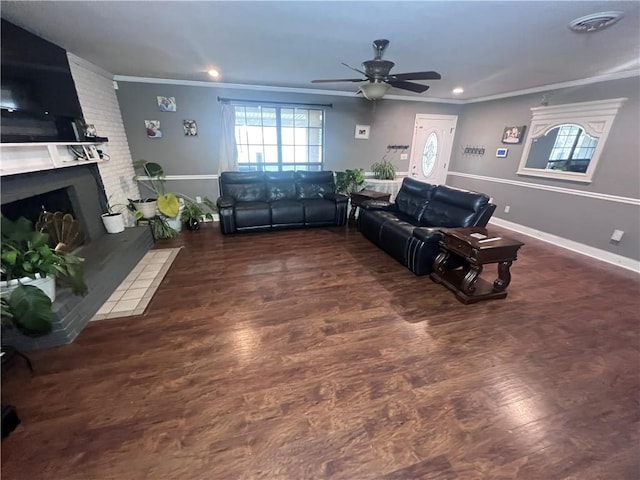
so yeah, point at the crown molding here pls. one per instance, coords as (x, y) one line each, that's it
(341, 93)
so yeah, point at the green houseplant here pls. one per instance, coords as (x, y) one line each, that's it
(171, 205)
(193, 213)
(384, 170)
(27, 256)
(349, 181)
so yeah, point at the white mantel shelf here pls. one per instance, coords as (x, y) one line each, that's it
(16, 158)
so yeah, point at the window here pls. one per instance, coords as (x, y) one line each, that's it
(572, 149)
(276, 138)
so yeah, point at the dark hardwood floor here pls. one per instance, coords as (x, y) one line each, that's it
(311, 354)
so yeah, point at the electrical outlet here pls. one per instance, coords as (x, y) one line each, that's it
(198, 199)
(404, 156)
(616, 236)
(507, 209)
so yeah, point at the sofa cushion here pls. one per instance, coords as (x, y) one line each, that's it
(314, 184)
(280, 186)
(318, 210)
(413, 197)
(285, 212)
(252, 214)
(453, 207)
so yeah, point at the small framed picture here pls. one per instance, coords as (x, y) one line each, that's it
(167, 104)
(362, 132)
(190, 128)
(90, 131)
(513, 134)
(153, 128)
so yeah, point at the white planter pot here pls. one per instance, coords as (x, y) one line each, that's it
(148, 209)
(47, 285)
(114, 223)
(175, 222)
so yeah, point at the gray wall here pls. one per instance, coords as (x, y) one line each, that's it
(584, 220)
(391, 124)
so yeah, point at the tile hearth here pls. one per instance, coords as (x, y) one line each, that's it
(134, 294)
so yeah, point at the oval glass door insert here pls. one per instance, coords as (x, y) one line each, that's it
(429, 154)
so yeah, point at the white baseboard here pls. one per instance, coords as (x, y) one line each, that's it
(598, 254)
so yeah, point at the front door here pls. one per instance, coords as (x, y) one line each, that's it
(431, 147)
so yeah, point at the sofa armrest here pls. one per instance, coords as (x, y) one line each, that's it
(226, 202)
(428, 234)
(336, 197)
(379, 205)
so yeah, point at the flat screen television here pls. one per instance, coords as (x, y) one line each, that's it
(38, 100)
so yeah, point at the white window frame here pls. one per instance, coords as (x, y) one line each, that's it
(595, 118)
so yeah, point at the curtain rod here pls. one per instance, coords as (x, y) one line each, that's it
(259, 102)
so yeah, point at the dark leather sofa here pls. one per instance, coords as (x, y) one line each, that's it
(409, 229)
(253, 201)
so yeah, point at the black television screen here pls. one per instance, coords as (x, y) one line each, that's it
(38, 100)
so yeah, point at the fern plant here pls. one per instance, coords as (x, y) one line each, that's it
(384, 170)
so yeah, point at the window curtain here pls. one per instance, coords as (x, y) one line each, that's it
(228, 147)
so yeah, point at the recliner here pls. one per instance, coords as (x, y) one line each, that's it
(275, 200)
(409, 229)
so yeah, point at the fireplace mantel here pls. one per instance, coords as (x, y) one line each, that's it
(18, 158)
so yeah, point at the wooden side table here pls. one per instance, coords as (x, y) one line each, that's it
(357, 198)
(477, 252)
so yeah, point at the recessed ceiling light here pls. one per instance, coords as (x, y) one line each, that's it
(457, 90)
(595, 22)
(214, 73)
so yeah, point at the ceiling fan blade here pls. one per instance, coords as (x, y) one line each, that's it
(340, 80)
(355, 69)
(412, 87)
(416, 76)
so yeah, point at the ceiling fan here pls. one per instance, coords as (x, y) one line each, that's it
(380, 80)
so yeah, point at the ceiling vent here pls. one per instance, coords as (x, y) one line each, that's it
(595, 22)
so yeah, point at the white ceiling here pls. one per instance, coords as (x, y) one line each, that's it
(488, 48)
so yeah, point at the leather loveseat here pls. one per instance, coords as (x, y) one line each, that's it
(409, 229)
(253, 201)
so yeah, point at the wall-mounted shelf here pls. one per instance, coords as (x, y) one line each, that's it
(18, 158)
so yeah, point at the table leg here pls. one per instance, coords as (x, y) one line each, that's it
(471, 278)
(352, 214)
(504, 276)
(441, 259)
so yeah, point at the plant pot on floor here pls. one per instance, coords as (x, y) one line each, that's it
(113, 222)
(176, 222)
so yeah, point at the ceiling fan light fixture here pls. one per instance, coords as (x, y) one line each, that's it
(595, 22)
(374, 90)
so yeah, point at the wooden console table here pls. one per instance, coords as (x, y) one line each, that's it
(476, 252)
(357, 198)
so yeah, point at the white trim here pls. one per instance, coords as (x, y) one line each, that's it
(550, 188)
(581, 248)
(183, 177)
(341, 93)
(556, 86)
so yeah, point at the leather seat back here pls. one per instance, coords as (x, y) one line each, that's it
(453, 207)
(244, 186)
(314, 184)
(413, 197)
(280, 186)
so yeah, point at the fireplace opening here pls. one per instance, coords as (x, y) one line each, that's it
(31, 207)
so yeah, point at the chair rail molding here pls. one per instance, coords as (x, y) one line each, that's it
(549, 188)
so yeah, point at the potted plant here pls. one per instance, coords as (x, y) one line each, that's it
(384, 170)
(193, 213)
(113, 219)
(349, 181)
(170, 205)
(29, 266)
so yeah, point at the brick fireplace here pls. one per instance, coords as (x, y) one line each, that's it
(108, 258)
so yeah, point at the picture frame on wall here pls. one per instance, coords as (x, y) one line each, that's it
(153, 128)
(167, 104)
(513, 135)
(362, 132)
(190, 128)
